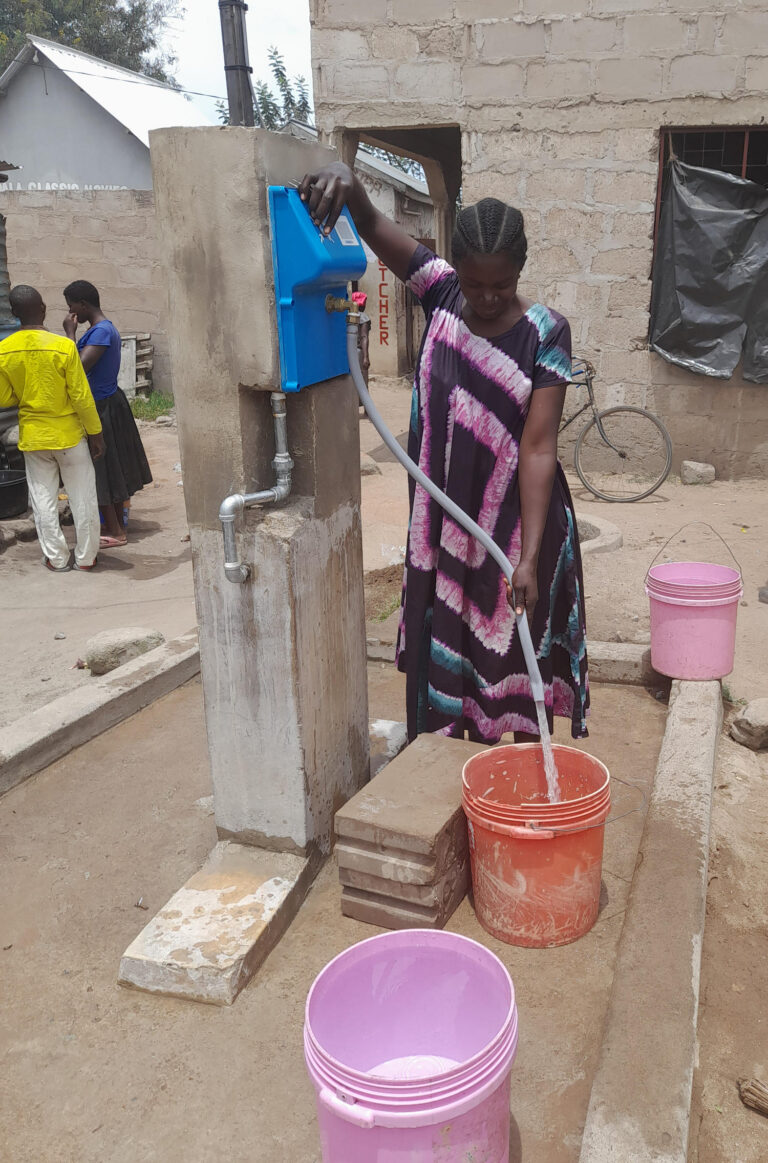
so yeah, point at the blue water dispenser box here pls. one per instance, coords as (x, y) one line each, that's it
(309, 266)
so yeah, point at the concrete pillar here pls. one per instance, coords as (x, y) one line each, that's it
(283, 655)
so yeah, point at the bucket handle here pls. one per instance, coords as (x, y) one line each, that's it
(533, 832)
(359, 1116)
(689, 525)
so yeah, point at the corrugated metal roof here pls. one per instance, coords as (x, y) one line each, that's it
(137, 102)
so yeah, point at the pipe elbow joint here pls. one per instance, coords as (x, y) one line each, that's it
(236, 572)
(231, 507)
(282, 489)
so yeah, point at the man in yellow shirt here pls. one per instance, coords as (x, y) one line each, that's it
(59, 429)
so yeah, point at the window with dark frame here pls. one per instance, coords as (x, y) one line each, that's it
(742, 152)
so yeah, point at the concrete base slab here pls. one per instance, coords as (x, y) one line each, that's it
(641, 1095)
(623, 662)
(214, 933)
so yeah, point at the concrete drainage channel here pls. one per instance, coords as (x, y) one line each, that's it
(640, 1098)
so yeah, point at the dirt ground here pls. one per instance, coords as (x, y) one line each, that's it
(146, 583)
(93, 1072)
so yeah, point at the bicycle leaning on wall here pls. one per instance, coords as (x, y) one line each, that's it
(624, 453)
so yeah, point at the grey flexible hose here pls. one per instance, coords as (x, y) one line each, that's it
(534, 674)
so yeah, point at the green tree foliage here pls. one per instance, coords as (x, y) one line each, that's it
(123, 32)
(288, 100)
(406, 165)
(283, 100)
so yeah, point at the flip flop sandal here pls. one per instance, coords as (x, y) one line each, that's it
(86, 568)
(107, 542)
(56, 569)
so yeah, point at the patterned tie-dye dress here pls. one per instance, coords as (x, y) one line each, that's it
(458, 644)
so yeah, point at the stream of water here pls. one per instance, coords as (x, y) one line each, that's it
(550, 768)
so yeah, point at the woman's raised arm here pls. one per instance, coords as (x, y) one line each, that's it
(336, 186)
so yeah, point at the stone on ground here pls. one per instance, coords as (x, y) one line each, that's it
(368, 466)
(214, 933)
(23, 528)
(762, 594)
(694, 472)
(111, 648)
(750, 727)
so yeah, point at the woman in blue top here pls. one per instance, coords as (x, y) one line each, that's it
(124, 469)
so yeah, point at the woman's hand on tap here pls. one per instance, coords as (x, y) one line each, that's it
(326, 193)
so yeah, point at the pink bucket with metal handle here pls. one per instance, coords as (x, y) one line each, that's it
(693, 618)
(409, 1040)
(693, 613)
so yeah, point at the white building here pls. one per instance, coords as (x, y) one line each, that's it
(91, 120)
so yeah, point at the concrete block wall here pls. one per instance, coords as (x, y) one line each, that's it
(560, 103)
(105, 236)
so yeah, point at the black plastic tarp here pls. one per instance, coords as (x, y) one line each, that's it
(710, 274)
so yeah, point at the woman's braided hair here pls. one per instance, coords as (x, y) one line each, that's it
(490, 227)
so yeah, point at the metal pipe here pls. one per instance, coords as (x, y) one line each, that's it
(231, 507)
(236, 64)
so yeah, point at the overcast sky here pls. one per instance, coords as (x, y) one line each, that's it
(196, 41)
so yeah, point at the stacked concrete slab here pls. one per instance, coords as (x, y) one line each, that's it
(402, 843)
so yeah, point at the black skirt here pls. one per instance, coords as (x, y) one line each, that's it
(123, 469)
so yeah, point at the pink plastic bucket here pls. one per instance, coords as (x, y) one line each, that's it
(409, 1040)
(693, 618)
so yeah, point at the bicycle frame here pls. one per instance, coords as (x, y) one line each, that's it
(585, 368)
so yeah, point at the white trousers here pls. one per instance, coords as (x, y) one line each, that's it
(76, 469)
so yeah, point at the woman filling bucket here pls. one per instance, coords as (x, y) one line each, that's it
(410, 1037)
(488, 395)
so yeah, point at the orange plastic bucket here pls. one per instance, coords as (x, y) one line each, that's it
(536, 866)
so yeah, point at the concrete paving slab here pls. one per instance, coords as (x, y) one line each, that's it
(412, 801)
(641, 1096)
(391, 913)
(436, 894)
(206, 943)
(40, 738)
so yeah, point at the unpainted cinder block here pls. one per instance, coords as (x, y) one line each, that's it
(582, 36)
(643, 35)
(492, 83)
(552, 80)
(693, 76)
(616, 81)
(743, 32)
(506, 40)
(419, 11)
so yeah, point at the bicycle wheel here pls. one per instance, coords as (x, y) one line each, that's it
(630, 460)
